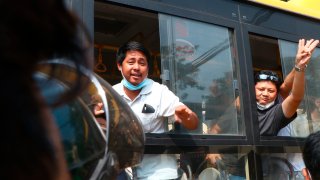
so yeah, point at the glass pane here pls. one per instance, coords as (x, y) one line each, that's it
(282, 166)
(308, 119)
(199, 60)
(196, 165)
(215, 166)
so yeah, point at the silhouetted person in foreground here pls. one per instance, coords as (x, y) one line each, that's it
(33, 31)
(311, 156)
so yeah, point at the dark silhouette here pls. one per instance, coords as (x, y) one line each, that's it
(32, 32)
(311, 156)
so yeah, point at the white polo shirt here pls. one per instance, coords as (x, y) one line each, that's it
(164, 102)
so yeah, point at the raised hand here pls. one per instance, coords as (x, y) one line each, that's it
(305, 50)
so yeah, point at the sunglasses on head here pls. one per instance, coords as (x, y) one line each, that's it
(267, 77)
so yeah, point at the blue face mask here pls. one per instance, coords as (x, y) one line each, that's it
(132, 87)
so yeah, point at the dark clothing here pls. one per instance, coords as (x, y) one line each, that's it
(272, 119)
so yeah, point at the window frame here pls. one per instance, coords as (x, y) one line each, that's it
(239, 20)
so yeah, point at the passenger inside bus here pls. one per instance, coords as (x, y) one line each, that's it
(274, 112)
(217, 102)
(151, 102)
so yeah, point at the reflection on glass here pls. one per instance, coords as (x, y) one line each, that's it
(98, 111)
(201, 61)
(83, 133)
(126, 137)
(308, 119)
(94, 101)
(208, 166)
(282, 166)
(83, 141)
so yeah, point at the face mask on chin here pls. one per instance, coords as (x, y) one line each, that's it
(132, 87)
(264, 107)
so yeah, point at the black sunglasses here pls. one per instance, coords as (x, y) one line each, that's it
(267, 77)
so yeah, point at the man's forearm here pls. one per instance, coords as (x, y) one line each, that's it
(287, 84)
(298, 86)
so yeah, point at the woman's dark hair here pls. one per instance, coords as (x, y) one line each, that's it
(132, 46)
(31, 32)
(266, 75)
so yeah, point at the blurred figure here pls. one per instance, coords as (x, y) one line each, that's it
(315, 115)
(311, 156)
(218, 101)
(32, 32)
(98, 111)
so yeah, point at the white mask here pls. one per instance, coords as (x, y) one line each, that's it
(264, 107)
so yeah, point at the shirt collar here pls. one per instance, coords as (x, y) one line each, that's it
(147, 89)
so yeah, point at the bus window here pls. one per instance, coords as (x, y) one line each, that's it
(279, 56)
(265, 53)
(308, 119)
(196, 165)
(282, 166)
(200, 60)
(114, 26)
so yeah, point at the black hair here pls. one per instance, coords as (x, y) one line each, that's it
(277, 81)
(132, 46)
(311, 154)
(32, 32)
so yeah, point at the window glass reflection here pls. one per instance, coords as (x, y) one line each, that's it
(200, 58)
(194, 165)
(83, 141)
(308, 119)
(282, 166)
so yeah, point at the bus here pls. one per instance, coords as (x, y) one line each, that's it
(207, 52)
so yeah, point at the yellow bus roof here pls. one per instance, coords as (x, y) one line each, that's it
(310, 8)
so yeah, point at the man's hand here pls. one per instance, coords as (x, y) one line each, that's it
(98, 109)
(212, 158)
(305, 50)
(215, 129)
(186, 117)
(182, 112)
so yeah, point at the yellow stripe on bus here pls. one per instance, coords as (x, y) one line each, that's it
(310, 8)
